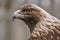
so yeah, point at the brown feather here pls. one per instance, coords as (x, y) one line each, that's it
(43, 26)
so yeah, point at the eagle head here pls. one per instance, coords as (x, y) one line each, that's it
(29, 13)
(43, 26)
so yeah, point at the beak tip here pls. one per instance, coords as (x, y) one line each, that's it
(13, 17)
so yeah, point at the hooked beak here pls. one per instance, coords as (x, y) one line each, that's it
(17, 15)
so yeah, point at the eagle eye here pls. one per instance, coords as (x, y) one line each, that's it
(27, 10)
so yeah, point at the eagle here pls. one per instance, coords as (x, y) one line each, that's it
(42, 25)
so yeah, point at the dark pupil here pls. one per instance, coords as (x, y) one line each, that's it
(27, 10)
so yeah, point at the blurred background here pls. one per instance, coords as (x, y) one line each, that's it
(18, 30)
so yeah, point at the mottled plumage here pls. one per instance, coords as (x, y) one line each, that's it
(42, 25)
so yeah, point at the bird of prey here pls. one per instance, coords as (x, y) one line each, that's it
(42, 25)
